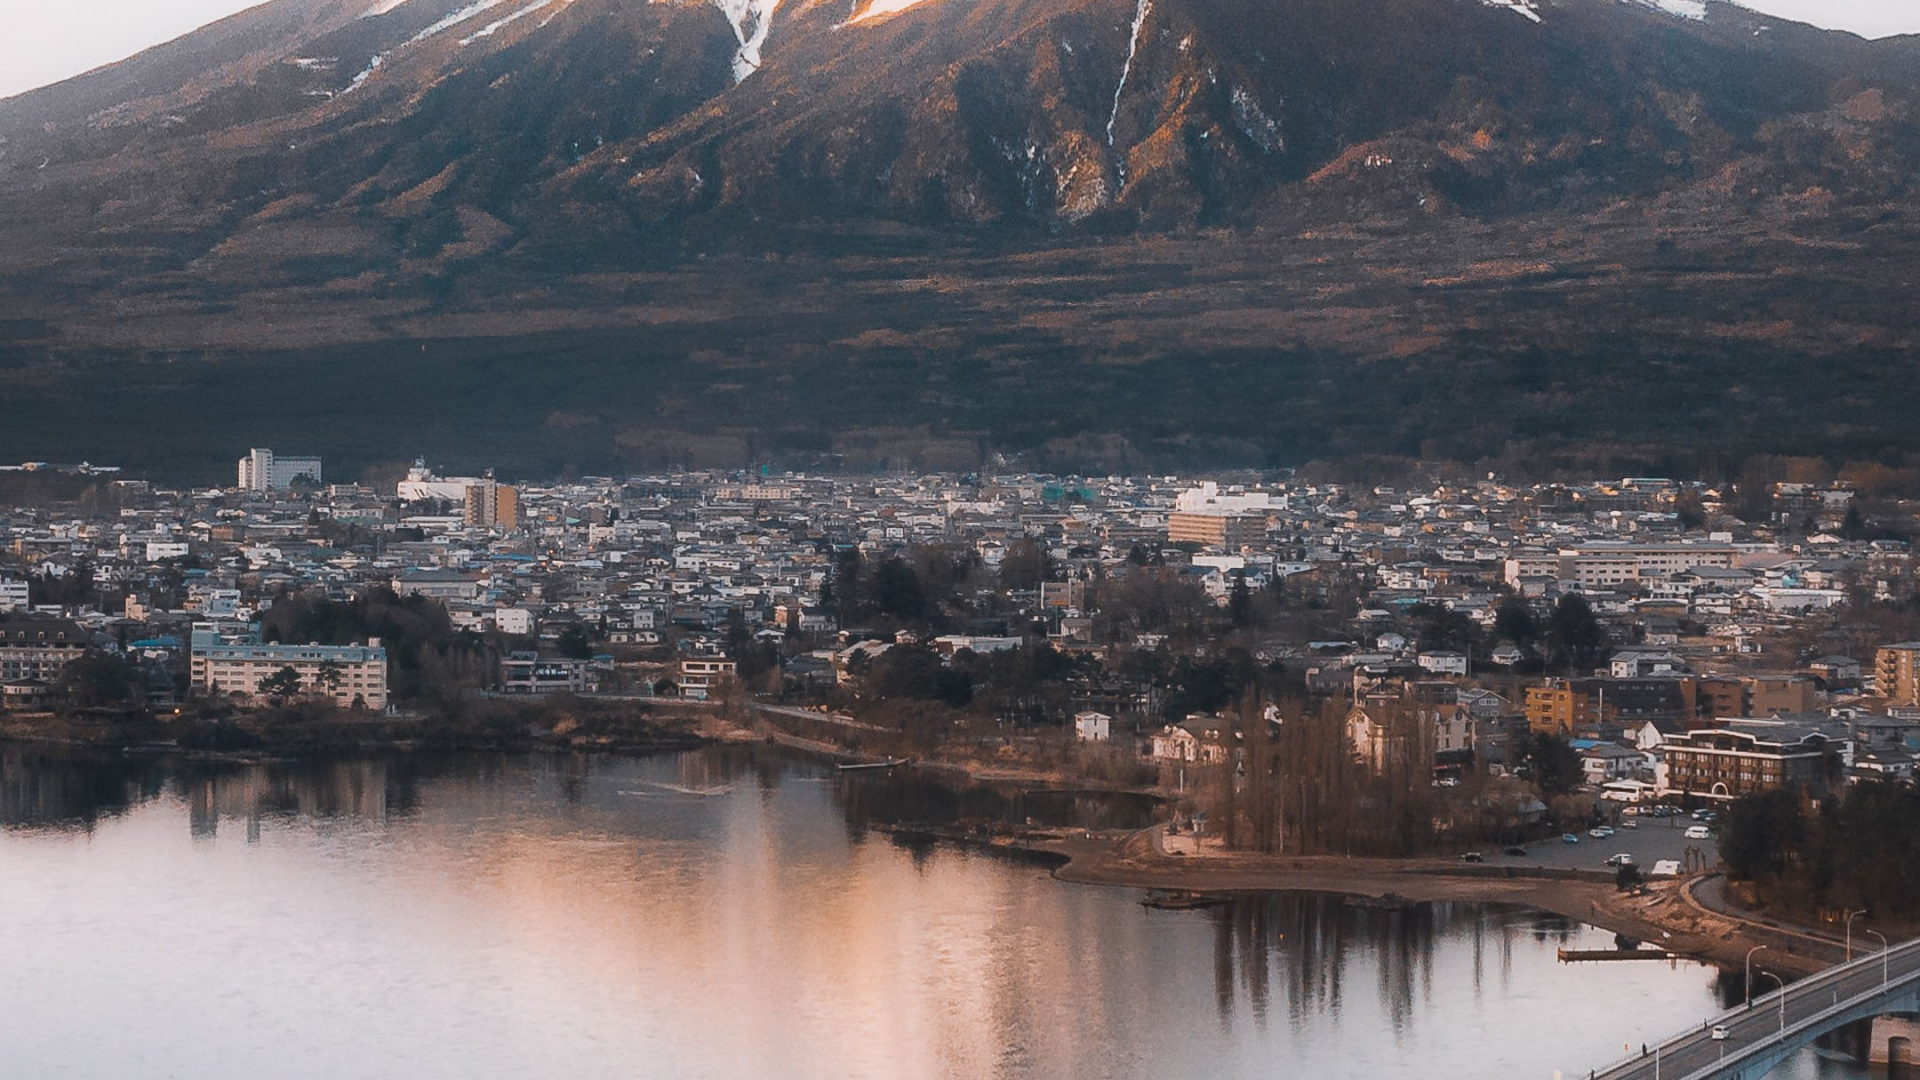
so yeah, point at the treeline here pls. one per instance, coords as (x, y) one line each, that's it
(1860, 850)
(426, 656)
(1294, 785)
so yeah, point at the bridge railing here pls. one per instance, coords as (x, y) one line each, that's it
(1772, 1000)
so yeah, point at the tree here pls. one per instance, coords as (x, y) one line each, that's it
(1551, 763)
(1574, 637)
(99, 680)
(574, 642)
(329, 677)
(1761, 833)
(1240, 601)
(1513, 621)
(897, 592)
(1025, 565)
(1627, 877)
(282, 686)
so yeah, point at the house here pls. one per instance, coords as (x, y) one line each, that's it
(1441, 662)
(1602, 762)
(1197, 739)
(1092, 726)
(701, 675)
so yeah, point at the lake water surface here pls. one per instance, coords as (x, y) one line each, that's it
(721, 914)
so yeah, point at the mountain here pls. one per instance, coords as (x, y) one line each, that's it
(1100, 232)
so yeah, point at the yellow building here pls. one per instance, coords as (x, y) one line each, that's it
(1894, 673)
(1228, 531)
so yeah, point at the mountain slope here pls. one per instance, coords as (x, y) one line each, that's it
(1407, 187)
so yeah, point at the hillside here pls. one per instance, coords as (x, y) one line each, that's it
(1099, 233)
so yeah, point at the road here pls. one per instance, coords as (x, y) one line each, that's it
(1750, 1029)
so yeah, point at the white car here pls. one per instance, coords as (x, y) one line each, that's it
(1622, 859)
(1719, 1033)
(1600, 832)
(1698, 832)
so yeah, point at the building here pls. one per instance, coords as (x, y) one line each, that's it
(531, 673)
(39, 649)
(1216, 529)
(489, 504)
(351, 675)
(422, 486)
(1770, 695)
(262, 470)
(13, 594)
(1896, 673)
(437, 584)
(1734, 758)
(1198, 739)
(701, 675)
(1092, 726)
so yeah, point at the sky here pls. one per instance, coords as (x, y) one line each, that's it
(49, 40)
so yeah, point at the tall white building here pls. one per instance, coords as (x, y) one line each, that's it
(13, 594)
(262, 470)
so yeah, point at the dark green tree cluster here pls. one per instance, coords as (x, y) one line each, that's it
(426, 656)
(1858, 850)
(1550, 762)
(1574, 638)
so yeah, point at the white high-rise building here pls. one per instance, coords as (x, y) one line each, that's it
(262, 470)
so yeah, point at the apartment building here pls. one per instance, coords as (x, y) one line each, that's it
(39, 648)
(1734, 758)
(348, 674)
(1896, 673)
(263, 470)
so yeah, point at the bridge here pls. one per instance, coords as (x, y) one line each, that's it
(1778, 1024)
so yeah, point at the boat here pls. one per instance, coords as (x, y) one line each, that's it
(890, 763)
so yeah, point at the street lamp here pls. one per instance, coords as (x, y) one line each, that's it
(1783, 999)
(1852, 915)
(1750, 953)
(1883, 955)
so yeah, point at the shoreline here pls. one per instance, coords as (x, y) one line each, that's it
(1665, 915)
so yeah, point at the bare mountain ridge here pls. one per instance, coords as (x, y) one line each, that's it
(1043, 113)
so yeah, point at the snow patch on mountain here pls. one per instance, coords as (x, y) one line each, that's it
(1685, 9)
(752, 21)
(359, 80)
(455, 19)
(881, 8)
(500, 24)
(1140, 13)
(1528, 9)
(381, 7)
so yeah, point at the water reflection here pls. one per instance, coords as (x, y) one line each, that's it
(715, 914)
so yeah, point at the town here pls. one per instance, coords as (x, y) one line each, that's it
(1488, 661)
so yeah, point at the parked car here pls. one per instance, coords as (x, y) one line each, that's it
(1569, 838)
(1629, 823)
(1473, 856)
(1622, 859)
(1517, 852)
(1698, 832)
(1719, 1033)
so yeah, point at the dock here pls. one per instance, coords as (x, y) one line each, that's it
(1572, 956)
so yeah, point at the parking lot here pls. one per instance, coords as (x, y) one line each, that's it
(1651, 840)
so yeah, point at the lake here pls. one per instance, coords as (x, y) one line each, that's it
(725, 913)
